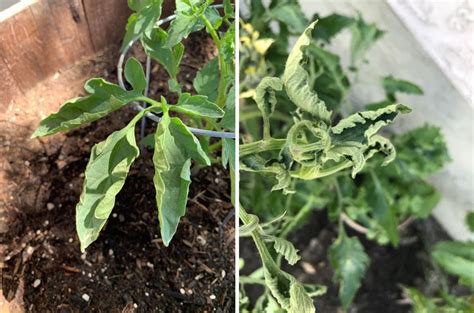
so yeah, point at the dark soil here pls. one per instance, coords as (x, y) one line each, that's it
(389, 270)
(128, 268)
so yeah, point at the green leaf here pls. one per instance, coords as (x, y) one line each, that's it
(350, 143)
(135, 75)
(289, 293)
(470, 221)
(361, 126)
(228, 121)
(286, 249)
(170, 58)
(175, 146)
(265, 95)
(105, 175)
(381, 209)
(228, 8)
(228, 151)
(105, 98)
(296, 80)
(206, 80)
(300, 301)
(363, 38)
(392, 85)
(291, 15)
(196, 106)
(188, 20)
(328, 79)
(456, 258)
(174, 86)
(141, 22)
(350, 262)
(420, 303)
(181, 27)
(329, 26)
(422, 151)
(148, 141)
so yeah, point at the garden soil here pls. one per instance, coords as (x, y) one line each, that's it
(128, 269)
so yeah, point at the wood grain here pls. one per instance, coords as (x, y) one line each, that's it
(107, 20)
(72, 28)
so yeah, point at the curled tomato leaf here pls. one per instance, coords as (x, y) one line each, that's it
(105, 98)
(105, 175)
(175, 146)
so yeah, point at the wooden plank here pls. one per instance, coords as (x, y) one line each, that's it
(19, 49)
(8, 87)
(107, 20)
(47, 40)
(73, 31)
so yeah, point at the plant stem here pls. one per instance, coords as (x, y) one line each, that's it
(152, 102)
(261, 247)
(261, 146)
(215, 146)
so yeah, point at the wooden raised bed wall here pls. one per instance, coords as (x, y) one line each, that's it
(40, 37)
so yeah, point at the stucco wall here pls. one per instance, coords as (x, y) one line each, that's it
(406, 51)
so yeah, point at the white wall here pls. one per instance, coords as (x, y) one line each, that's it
(447, 80)
(429, 42)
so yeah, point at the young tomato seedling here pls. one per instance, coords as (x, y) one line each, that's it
(175, 146)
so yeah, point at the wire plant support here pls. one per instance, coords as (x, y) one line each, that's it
(141, 106)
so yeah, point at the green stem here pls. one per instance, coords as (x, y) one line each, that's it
(261, 247)
(152, 102)
(261, 146)
(215, 146)
(266, 128)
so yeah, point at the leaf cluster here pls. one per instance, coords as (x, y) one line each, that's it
(175, 146)
(313, 151)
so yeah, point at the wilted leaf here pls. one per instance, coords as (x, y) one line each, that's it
(265, 95)
(105, 175)
(296, 80)
(175, 146)
(105, 98)
(286, 249)
(197, 106)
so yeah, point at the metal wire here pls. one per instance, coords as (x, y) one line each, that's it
(140, 107)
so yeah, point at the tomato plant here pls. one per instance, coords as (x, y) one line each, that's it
(305, 146)
(175, 145)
